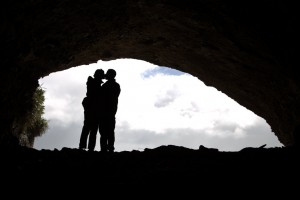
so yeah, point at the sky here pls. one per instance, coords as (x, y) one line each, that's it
(157, 106)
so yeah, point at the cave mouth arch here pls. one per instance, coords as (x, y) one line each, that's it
(157, 106)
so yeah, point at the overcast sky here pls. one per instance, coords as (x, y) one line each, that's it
(157, 106)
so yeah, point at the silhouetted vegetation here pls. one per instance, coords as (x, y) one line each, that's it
(34, 124)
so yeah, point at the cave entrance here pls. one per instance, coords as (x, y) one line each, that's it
(157, 106)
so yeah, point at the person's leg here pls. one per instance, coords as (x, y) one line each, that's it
(103, 134)
(93, 136)
(111, 134)
(84, 134)
(103, 142)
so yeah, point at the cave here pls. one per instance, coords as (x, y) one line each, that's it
(246, 49)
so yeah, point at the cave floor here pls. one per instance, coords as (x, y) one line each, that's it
(162, 165)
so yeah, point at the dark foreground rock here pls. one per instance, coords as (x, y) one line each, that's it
(163, 165)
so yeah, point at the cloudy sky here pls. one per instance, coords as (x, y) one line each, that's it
(157, 106)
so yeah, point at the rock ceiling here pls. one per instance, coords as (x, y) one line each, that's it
(246, 49)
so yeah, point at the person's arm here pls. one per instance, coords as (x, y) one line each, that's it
(84, 102)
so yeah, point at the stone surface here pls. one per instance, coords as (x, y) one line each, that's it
(259, 168)
(246, 49)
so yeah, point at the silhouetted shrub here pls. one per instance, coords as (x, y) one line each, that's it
(34, 124)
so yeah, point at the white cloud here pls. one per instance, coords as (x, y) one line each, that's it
(156, 107)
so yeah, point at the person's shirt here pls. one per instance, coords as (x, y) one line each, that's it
(85, 103)
(91, 87)
(111, 91)
(93, 94)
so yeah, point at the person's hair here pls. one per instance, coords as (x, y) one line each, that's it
(89, 79)
(99, 72)
(111, 73)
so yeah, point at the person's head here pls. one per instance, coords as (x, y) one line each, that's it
(110, 74)
(90, 79)
(99, 74)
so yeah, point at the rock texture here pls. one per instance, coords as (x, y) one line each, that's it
(246, 49)
(255, 168)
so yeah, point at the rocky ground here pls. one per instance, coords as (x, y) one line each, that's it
(163, 165)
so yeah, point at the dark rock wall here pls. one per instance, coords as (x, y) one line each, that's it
(246, 49)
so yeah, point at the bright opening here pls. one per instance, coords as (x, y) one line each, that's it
(157, 106)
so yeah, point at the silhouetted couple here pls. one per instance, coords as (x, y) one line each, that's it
(100, 107)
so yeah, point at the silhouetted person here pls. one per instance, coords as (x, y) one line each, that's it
(91, 104)
(111, 91)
